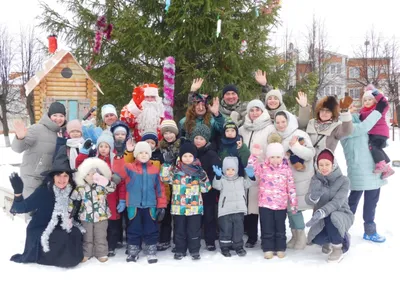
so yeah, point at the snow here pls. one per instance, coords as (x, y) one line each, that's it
(364, 273)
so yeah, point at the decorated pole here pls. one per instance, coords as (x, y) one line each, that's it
(169, 87)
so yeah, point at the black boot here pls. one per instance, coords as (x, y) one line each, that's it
(195, 256)
(111, 253)
(179, 256)
(152, 254)
(211, 247)
(225, 252)
(133, 253)
(250, 243)
(241, 252)
(163, 246)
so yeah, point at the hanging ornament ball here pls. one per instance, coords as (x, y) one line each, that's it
(243, 46)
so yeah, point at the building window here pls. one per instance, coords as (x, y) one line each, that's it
(354, 93)
(354, 72)
(372, 72)
(338, 68)
(339, 91)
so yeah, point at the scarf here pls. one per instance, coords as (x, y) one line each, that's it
(60, 215)
(322, 126)
(260, 123)
(74, 145)
(231, 145)
(194, 169)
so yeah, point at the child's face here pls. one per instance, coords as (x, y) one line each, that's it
(280, 123)
(273, 102)
(143, 157)
(230, 172)
(169, 136)
(368, 102)
(187, 158)
(151, 143)
(109, 119)
(75, 134)
(230, 133)
(325, 166)
(120, 136)
(199, 141)
(275, 160)
(104, 149)
(89, 176)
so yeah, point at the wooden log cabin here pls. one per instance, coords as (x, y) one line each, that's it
(64, 80)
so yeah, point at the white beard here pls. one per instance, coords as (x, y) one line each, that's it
(149, 118)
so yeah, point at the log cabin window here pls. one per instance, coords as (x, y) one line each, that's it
(66, 73)
(75, 109)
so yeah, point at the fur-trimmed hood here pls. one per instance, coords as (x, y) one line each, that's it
(89, 164)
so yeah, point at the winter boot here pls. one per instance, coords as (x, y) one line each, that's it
(163, 246)
(241, 252)
(173, 250)
(85, 259)
(120, 245)
(211, 247)
(102, 259)
(292, 241)
(376, 238)
(388, 172)
(336, 254)
(301, 240)
(111, 253)
(179, 255)
(133, 253)
(195, 256)
(380, 167)
(326, 249)
(268, 254)
(346, 242)
(225, 252)
(250, 243)
(152, 254)
(281, 254)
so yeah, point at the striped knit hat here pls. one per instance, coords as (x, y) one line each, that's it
(169, 125)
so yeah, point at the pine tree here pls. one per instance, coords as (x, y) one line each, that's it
(145, 33)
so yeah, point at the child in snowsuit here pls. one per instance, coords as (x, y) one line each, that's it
(89, 201)
(146, 202)
(332, 216)
(189, 181)
(277, 188)
(169, 147)
(232, 204)
(379, 134)
(232, 145)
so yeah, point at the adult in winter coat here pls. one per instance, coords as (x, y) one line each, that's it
(332, 123)
(52, 237)
(39, 143)
(332, 217)
(360, 166)
(287, 127)
(256, 128)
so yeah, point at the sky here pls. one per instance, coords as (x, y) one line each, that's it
(346, 21)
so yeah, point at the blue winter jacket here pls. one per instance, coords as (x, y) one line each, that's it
(360, 165)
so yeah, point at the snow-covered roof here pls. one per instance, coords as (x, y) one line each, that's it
(48, 66)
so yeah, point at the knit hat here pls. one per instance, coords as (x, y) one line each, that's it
(201, 130)
(230, 124)
(108, 109)
(230, 162)
(56, 108)
(276, 93)
(106, 137)
(120, 129)
(74, 125)
(275, 149)
(169, 125)
(119, 126)
(230, 88)
(142, 147)
(255, 103)
(188, 147)
(367, 94)
(325, 154)
(150, 136)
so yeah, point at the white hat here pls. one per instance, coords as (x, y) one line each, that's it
(108, 109)
(368, 94)
(276, 93)
(255, 103)
(151, 91)
(142, 147)
(275, 149)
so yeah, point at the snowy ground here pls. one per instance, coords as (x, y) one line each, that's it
(365, 273)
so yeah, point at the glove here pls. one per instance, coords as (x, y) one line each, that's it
(375, 92)
(100, 179)
(116, 179)
(380, 106)
(169, 157)
(318, 215)
(256, 150)
(16, 183)
(317, 190)
(119, 146)
(160, 213)
(293, 210)
(203, 175)
(345, 103)
(86, 147)
(249, 171)
(121, 205)
(76, 205)
(217, 170)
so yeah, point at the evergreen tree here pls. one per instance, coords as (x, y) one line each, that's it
(145, 33)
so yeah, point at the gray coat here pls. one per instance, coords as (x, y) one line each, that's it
(232, 198)
(39, 145)
(333, 202)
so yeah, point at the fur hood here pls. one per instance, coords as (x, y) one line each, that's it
(89, 164)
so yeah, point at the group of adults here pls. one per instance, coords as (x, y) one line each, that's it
(45, 179)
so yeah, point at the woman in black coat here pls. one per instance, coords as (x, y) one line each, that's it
(52, 237)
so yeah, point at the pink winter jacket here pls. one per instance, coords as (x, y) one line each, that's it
(381, 127)
(276, 184)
